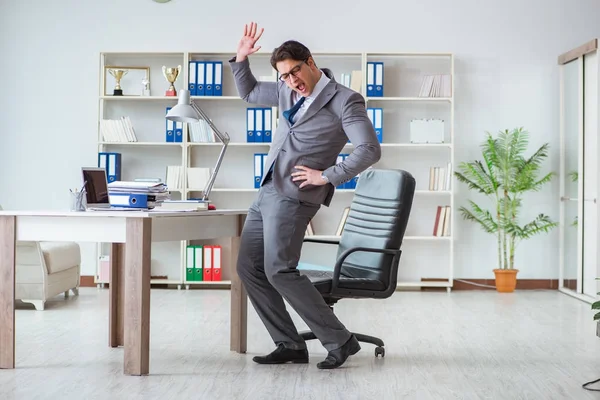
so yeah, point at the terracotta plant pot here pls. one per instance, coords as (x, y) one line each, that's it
(506, 280)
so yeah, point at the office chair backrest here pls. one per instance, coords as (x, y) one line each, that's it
(378, 218)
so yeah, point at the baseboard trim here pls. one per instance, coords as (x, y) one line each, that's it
(522, 284)
(87, 281)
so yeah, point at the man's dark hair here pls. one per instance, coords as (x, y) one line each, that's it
(290, 50)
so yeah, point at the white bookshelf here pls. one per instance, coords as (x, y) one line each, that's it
(234, 187)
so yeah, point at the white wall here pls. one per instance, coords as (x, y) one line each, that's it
(505, 66)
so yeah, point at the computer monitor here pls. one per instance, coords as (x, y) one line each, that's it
(96, 187)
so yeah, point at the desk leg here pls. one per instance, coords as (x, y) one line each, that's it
(137, 299)
(7, 292)
(117, 295)
(239, 298)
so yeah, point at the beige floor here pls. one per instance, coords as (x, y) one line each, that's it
(462, 345)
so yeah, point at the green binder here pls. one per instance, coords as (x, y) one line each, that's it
(198, 263)
(189, 263)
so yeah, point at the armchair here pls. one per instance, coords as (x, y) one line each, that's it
(45, 270)
(369, 248)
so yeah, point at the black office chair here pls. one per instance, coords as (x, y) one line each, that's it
(369, 248)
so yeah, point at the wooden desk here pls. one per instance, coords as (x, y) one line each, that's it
(131, 233)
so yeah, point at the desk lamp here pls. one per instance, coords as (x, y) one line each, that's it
(187, 111)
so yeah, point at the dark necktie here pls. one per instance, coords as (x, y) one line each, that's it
(289, 114)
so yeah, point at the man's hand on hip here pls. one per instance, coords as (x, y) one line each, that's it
(309, 176)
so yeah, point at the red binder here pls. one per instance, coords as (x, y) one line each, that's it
(208, 263)
(216, 263)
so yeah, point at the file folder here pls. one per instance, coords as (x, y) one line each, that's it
(113, 172)
(192, 78)
(103, 161)
(178, 131)
(189, 263)
(378, 124)
(208, 262)
(370, 79)
(258, 123)
(170, 129)
(200, 78)
(258, 169)
(216, 263)
(208, 78)
(376, 117)
(111, 162)
(218, 74)
(267, 133)
(198, 263)
(250, 125)
(378, 79)
(132, 200)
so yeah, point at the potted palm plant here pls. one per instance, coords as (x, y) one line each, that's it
(504, 176)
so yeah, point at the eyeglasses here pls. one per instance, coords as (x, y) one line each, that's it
(294, 71)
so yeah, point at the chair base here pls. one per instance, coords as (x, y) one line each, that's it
(379, 350)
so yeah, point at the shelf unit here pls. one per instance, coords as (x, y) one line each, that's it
(234, 186)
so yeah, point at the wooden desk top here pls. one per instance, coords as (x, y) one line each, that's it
(120, 214)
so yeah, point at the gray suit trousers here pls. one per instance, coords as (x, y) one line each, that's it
(270, 248)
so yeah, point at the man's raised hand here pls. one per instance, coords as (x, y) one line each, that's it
(247, 43)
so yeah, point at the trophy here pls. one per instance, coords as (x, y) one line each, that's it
(171, 74)
(118, 74)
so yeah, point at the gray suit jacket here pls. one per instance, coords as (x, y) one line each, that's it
(317, 137)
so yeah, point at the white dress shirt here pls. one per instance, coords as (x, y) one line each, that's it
(309, 99)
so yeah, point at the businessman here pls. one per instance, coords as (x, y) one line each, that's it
(317, 117)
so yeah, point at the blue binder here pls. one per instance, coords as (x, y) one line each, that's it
(267, 133)
(192, 78)
(370, 79)
(218, 78)
(169, 129)
(130, 200)
(209, 77)
(250, 125)
(111, 162)
(376, 116)
(200, 78)
(258, 169)
(259, 119)
(378, 79)
(178, 132)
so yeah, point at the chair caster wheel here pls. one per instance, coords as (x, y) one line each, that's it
(379, 351)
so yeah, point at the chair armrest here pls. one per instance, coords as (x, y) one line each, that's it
(336, 290)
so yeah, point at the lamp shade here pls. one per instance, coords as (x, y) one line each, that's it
(183, 111)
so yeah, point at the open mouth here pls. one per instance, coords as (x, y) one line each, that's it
(301, 87)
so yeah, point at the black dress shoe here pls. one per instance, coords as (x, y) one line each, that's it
(335, 358)
(282, 355)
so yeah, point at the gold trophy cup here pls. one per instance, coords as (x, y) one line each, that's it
(171, 74)
(118, 74)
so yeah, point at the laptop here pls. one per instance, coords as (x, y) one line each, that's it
(96, 191)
